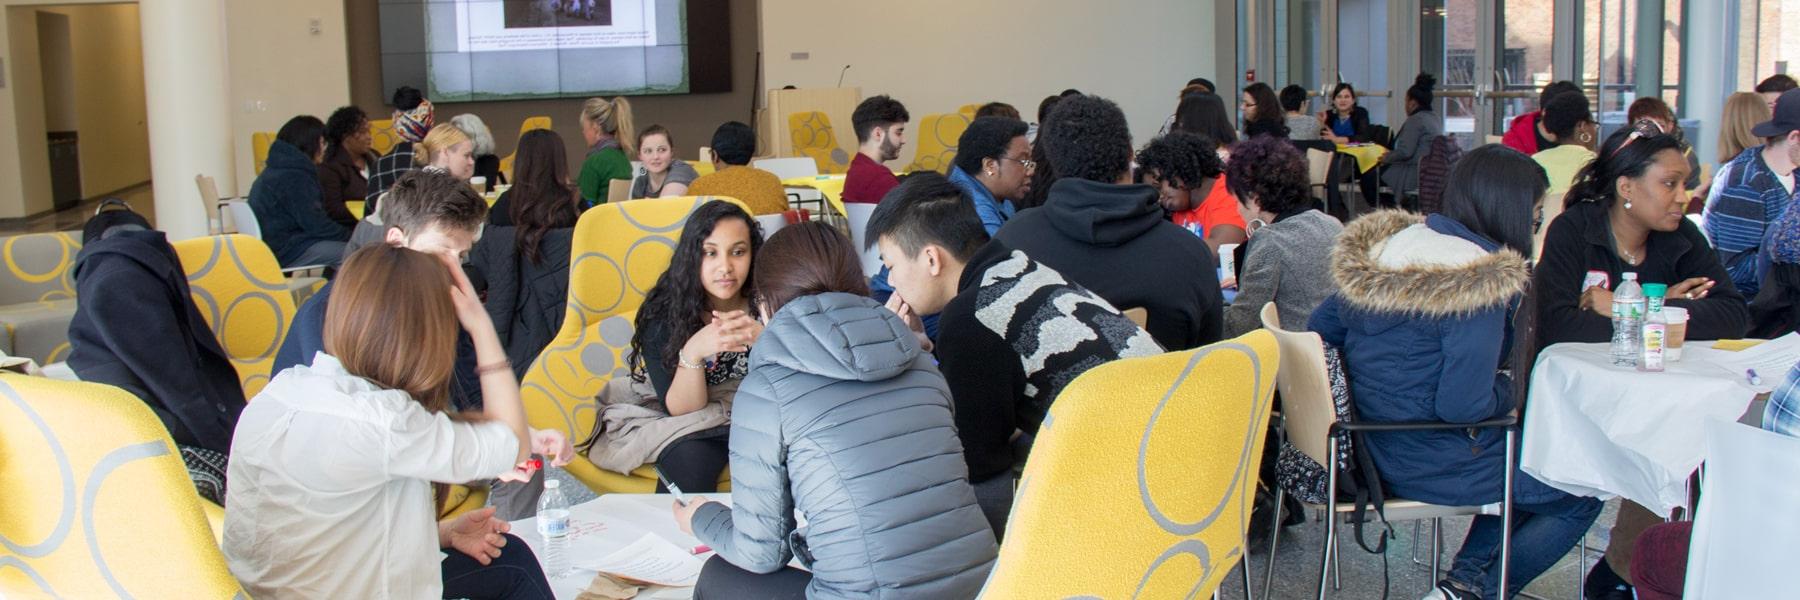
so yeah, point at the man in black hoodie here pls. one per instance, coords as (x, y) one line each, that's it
(1109, 236)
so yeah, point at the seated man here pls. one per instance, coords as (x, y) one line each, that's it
(880, 124)
(733, 145)
(153, 342)
(1752, 191)
(1109, 236)
(996, 308)
(428, 211)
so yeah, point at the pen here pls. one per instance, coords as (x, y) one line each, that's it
(680, 498)
(1750, 374)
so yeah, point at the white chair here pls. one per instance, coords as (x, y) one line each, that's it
(1318, 169)
(1743, 542)
(211, 204)
(244, 219)
(770, 224)
(788, 168)
(859, 221)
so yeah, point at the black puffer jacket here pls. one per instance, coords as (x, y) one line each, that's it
(526, 300)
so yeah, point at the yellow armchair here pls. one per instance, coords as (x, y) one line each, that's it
(936, 142)
(37, 294)
(1140, 482)
(530, 123)
(237, 286)
(259, 148)
(383, 137)
(814, 138)
(620, 250)
(98, 501)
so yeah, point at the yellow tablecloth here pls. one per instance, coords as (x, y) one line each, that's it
(829, 186)
(1368, 156)
(356, 206)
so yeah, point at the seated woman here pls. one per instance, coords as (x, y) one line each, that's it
(608, 129)
(1262, 112)
(1400, 166)
(288, 201)
(693, 335)
(846, 419)
(1625, 213)
(1287, 256)
(1423, 317)
(993, 166)
(334, 464)
(1347, 122)
(1186, 168)
(445, 149)
(345, 173)
(522, 268)
(487, 164)
(1573, 134)
(663, 175)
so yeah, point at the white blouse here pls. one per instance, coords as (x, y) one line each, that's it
(330, 486)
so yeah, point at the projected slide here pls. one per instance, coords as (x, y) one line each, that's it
(467, 50)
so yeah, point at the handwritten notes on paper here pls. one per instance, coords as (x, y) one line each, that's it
(650, 559)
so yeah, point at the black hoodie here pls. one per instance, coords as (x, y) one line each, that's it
(1112, 240)
(137, 328)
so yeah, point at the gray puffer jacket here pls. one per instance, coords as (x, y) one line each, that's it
(843, 417)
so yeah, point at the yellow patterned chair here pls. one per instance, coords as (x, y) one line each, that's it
(620, 249)
(237, 286)
(259, 148)
(1140, 482)
(530, 123)
(37, 294)
(382, 135)
(935, 142)
(97, 501)
(814, 138)
(968, 111)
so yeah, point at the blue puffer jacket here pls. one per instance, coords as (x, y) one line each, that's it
(843, 417)
(286, 198)
(1422, 313)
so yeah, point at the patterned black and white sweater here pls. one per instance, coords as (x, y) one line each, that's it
(1013, 337)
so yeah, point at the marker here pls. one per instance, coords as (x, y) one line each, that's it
(1749, 374)
(702, 549)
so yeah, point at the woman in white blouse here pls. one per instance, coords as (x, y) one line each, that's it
(333, 464)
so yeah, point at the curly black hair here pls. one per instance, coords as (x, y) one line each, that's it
(1269, 170)
(678, 302)
(1564, 113)
(1087, 138)
(986, 137)
(1182, 158)
(342, 123)
(1421, 91)
(877, 111)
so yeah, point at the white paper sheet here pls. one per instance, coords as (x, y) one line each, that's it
(1771, 361)
(650, 559)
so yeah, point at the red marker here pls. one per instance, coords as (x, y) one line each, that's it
(702, 549)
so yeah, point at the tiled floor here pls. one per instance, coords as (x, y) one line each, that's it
(72, 219)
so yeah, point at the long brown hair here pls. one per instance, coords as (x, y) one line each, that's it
(542, 198)
(806, 259)
(1743, 111)
(391, 321)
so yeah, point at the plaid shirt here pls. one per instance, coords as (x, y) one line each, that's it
(1783, 414)
(389, 168)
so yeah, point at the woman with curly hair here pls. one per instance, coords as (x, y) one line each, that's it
(1185, 167)
(345, 173)
(693, 336)
(1287, 260)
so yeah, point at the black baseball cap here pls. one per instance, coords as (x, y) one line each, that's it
(1786, 118)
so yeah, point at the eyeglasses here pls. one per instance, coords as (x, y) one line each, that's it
(1030, 165)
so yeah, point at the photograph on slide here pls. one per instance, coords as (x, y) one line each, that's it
(558, 13)
(500, 25)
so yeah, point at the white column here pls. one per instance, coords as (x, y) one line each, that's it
(188, 100)
(1709, 59)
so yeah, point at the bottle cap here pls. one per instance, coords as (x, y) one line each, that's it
(1629, 276)
(1656, 289)
(534, 463)
(551, 484)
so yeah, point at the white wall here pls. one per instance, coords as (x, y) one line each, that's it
(937, 55)
(279, 68)
(57, 52)
(108, 78)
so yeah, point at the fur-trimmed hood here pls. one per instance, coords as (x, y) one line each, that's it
(1392, 261)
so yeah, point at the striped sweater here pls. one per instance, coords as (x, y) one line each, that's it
(1749, 198)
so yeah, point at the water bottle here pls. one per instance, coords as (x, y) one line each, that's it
(1628, 317)
(553, 525)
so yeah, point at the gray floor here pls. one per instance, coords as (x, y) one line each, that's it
(1297, 564)
(73, 218)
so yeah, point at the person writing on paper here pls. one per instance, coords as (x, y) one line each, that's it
(844, 417)
(1187, 173)
(692, 336)
(334, 464)
(1625, 213)
(663, 176)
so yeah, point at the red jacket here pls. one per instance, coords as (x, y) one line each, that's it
(1521, 135)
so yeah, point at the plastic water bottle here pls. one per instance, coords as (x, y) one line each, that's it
(1628, 317)
(553, 525)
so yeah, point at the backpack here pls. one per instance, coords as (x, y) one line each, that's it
(1434, 172)
(1357, 479)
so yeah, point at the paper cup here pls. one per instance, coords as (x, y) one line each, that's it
(1677, 319)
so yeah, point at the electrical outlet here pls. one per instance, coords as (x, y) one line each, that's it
(800, 56)
(316, 26)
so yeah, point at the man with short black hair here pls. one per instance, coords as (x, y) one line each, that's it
(1011, 334)
(1108, 235)
(732, 146)
(1751, 192)
(880, 124)
(1772, 88)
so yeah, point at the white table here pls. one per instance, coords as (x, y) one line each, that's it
(608, 524)
(1594, 429)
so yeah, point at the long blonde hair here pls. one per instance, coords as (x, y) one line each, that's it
(614, 118)
(1743, 111)
(441, 138)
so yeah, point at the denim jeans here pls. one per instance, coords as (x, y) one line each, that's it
(514, 575)
(1542, 533)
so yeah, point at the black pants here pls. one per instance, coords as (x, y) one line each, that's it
(721, 579)
(1343, 167)
(694, 463)
(515, 575)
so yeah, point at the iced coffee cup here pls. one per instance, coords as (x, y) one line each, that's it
(1677, 318)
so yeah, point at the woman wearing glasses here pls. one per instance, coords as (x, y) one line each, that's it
(993, 166)
(1625, 214)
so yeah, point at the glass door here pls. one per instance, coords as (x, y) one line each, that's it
(1490, 58)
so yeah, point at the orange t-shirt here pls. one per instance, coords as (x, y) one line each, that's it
(1218, 208)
